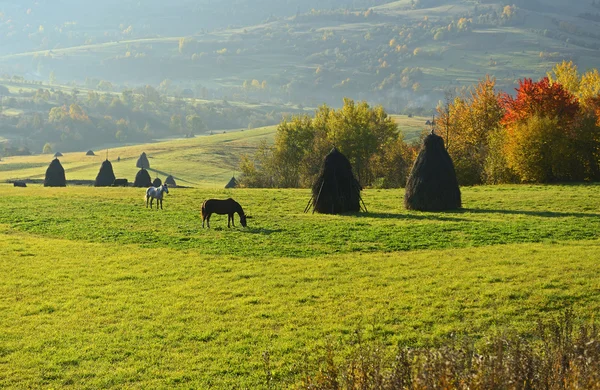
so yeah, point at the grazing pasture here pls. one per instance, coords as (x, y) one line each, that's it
(98, 291)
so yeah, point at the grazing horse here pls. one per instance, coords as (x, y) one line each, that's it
(227, 206)
(156, 193)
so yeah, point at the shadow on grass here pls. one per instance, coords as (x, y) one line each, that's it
(262, 231)
(167, 174)
(543, 214)
(421, 216)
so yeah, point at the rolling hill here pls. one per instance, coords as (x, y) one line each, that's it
(403, 54)
(205, 161)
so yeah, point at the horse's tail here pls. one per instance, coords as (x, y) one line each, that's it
(203, 211)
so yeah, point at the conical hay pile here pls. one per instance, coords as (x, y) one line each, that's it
(55, 175)
(336, 190)
(233, 183)
(90, 153)
(432, 184)
(142, 179)
(170, 181)
(106, 175)
(156, 182)
(142, 161)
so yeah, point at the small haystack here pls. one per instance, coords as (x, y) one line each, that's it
(142, 161)
(142, 179)
(19, 183)
(106, 175)
(336, 190)
(432, 184)
(233, 183)
(55, 175)
(90, 153)
(58, 154)
(157, 182)
(170, 181)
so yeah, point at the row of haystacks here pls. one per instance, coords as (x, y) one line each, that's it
(431, 186)
(55, 176)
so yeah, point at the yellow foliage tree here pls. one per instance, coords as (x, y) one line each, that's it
(465, 124)
(566, 75)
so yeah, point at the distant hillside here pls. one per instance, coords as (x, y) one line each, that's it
(403, 54)
(203, 161)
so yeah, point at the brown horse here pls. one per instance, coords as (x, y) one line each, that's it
(227, 206)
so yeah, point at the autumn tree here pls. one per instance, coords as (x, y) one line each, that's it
(465, 124)
(542, 132)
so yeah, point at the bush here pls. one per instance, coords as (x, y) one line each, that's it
(557, 356)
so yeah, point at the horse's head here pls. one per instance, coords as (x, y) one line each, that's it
(165, 188)
(243, 220)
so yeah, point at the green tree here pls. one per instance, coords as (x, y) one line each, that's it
(104, 85)
(367, 136)
(175, 125)
(52, 78)
(195, 125)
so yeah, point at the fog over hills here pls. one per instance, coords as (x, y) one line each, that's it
(404, 54)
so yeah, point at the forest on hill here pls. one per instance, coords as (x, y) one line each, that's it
(270, 57)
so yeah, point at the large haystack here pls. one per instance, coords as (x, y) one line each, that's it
(432, 184)
(170, 181)
(55, 175)
(142, 179)
(157, 182)
(233, 183)
(106, 175)
(90, 153)
(142, 161)
(336, 190)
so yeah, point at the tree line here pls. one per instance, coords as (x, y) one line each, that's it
(548, 131)
(71, 120)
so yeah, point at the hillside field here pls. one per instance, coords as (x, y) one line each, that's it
(96, 291)
(205, 161)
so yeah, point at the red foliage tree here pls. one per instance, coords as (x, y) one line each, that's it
(539, 98)
(544, 133)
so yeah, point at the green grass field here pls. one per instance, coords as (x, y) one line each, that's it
(98, 291)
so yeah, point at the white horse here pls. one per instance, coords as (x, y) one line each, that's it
(156, 193)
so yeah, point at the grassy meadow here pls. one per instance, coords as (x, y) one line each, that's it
(98, 291)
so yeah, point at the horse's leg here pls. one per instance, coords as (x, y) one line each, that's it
(232, 220)
(208, 220)
(147, 201)
(159, 200)
(151, 201)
